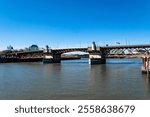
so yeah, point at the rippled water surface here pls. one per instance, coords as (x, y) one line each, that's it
(74, 79)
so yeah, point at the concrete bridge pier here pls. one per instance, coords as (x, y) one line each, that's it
(96, 58)
(51, 58)
(96, 55)
(56, 58)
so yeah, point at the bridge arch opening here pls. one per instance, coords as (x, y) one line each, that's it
(75, 54)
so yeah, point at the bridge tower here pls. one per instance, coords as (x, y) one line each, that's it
(96, 55)
(93, 46)
(51, 57)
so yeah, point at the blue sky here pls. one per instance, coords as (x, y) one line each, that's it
(73, 23)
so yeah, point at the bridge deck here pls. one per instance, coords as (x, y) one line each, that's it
(126, 46)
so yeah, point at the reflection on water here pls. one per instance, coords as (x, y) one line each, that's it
(147, 82)
(74, 79)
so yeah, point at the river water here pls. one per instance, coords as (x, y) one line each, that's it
(74, 79)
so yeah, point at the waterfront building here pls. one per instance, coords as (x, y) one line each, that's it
(33, 47)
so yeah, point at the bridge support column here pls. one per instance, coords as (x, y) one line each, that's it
(52, 58)
(57, 58)
(96, 55)
(96, 58)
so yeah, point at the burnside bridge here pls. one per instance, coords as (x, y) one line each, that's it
(97, 54)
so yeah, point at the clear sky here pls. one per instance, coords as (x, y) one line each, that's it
(73, 23)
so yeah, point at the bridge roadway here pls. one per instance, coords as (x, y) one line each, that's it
(126, 49)
(109, 50)
(127, 46)
(121, 48)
